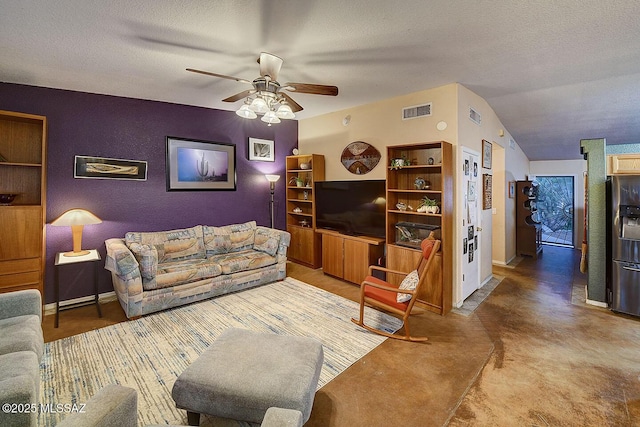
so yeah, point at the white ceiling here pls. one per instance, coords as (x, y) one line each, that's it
(554, 71)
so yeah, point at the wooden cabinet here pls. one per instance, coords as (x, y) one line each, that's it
(528, 227)
(349, 257)
(23, 173)
(620, 164)
(302, 173)
(417, 171)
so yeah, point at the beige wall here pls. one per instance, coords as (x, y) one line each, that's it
(379, 124)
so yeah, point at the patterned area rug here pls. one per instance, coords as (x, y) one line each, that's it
(148, 354)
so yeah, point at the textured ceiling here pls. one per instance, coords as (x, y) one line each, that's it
(554, 71)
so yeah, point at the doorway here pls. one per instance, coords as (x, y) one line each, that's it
(555, 207)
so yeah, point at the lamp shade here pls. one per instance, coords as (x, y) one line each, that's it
(270, 117)
(284, 112)
(76, 219)
(272, 178)
(246, 112)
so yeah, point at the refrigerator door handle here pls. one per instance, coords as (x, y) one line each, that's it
(624, 267)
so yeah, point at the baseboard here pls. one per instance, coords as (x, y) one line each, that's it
(105, 297)
(502, 263)
(597, 303)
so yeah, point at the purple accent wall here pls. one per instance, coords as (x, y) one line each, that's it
(124, 128)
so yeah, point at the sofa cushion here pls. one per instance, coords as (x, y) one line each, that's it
(267, 240)
(175, 273)
(173, 245)
(243, 261)
(217, 240)
(229, 238)
(147, 257)
(21, 333)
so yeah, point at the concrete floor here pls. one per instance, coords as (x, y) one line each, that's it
(527, 356)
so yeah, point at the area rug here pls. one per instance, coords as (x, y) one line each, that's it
(148, 354)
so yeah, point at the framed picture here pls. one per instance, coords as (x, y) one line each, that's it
(107, 168)
(200, 165)
(512, 189)
(261, 150)
(486, 154)
(486, 191)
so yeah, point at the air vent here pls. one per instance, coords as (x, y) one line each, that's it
(475, 116)
(416, 111)
(512, 144)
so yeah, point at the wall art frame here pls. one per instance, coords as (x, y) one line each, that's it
(193, 164)
(486, 154)
(261, 150)
(487, 191)
(91, 167)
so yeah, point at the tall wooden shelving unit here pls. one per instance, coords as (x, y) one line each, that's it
(305, 245)
(433, 162)
(528, 228)
(22, 172)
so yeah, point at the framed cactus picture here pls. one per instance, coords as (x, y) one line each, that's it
(200, 165)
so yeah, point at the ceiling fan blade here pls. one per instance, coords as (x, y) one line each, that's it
(207, 73)
(312, 89)
(269, 65)
(295, 107)
(238, 96)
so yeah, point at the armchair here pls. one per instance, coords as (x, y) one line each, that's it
(397, 299)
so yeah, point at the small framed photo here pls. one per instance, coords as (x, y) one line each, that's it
(486, 154)
(200, 165)
(261, 150)
(107, 168)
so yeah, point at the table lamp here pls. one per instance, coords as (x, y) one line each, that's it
(76, 219)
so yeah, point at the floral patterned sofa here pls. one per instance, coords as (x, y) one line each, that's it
(159, 270)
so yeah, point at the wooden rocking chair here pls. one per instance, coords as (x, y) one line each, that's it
(381, 294)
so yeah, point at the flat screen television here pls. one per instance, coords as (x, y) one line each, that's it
(355, 208)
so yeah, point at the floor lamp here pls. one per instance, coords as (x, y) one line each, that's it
(272, 185)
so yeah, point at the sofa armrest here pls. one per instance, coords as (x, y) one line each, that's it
(120, 260)
(113, 405)
(281, 417)
(20, 303)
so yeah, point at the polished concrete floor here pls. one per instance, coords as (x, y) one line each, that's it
(532, 354)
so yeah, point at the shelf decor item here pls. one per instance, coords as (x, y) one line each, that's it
(200, 165)
(6, 199)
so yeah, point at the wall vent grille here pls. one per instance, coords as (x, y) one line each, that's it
(475, 116)
(416, 111)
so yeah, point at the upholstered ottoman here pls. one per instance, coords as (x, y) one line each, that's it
(244, 373)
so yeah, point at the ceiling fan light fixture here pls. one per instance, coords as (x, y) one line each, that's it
(246, 113)
(259, 105)
(284, 112)
(270, 117)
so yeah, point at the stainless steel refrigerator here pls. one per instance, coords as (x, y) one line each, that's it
(624, 199)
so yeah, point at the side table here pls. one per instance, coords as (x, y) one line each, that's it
(61, 259)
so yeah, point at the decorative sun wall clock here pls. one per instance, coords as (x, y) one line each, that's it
(359, 157)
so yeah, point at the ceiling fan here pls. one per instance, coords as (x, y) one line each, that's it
(267, 97)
